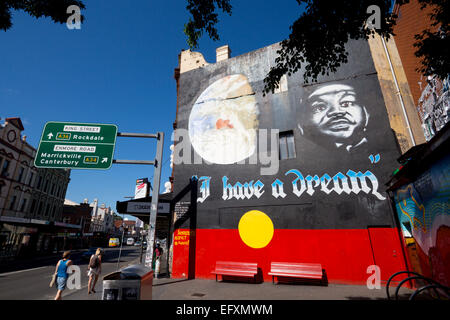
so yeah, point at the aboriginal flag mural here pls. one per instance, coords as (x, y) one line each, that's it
(293, 176)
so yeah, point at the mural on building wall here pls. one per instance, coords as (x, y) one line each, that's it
(434, 105)
(223, 121)
(327, 189)
(344, 147)
(423, 208)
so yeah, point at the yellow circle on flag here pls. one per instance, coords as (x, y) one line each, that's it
(256, 229)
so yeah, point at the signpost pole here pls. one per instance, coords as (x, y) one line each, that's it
(121, 242)
(155, 200)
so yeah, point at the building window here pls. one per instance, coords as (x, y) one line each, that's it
(13, 201)
(39, 183)
(31, 179)
(22, 207)
(286, 145)
(21, 171)
(40, 208)
(5, 167)
(33, 204)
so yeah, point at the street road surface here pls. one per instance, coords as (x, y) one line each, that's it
(33, 284)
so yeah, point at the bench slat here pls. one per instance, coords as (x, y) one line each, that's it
(297, 275)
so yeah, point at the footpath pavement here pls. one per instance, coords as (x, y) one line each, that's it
(201, 289)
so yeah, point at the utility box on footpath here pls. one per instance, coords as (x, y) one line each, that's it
(131, 283)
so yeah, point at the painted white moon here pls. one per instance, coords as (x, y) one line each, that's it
(224, 120)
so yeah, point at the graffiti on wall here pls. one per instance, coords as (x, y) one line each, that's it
(434, 105)
(423, 208)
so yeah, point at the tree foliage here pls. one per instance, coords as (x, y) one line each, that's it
(318, 37)
(433, 45)
(55, 9)
(204, 17)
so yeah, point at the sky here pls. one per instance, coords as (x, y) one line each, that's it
(118, 69)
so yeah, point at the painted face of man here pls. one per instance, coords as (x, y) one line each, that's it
(333, 110)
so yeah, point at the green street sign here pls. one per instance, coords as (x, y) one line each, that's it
(70, 145)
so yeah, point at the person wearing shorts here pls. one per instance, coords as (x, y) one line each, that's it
(61, 272)
(95, 268)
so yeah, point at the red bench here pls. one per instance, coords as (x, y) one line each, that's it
(240, 269)
(296, 270)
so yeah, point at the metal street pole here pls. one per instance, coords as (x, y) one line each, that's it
(157, 163)
(155, 200)
(121, 242)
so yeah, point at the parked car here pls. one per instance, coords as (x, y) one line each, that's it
(130, 241)
(137, 243)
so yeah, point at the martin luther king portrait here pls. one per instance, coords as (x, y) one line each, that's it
(336, 117)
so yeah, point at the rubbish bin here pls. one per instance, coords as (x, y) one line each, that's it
(131, 283)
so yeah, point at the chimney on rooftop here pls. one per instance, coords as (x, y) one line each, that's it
(223, 53)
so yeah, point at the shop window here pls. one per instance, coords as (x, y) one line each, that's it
(286, 145)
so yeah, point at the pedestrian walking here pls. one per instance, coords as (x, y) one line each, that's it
(61, 273)
(94, 269)
(158, 254)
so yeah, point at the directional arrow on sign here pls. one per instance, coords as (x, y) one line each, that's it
(50, 135)
(104, 160)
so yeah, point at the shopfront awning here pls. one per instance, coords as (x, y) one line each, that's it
(140, 208)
